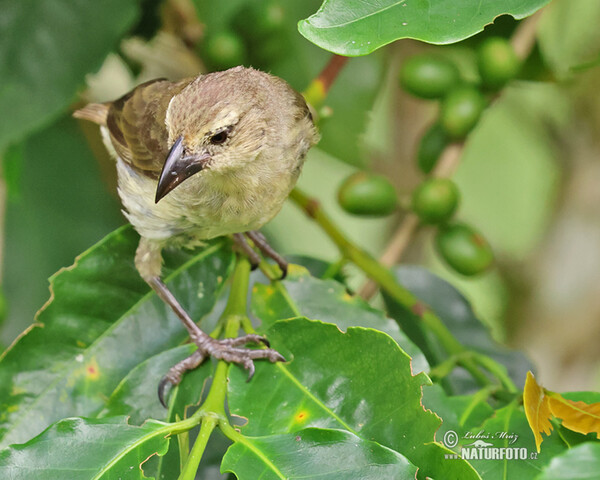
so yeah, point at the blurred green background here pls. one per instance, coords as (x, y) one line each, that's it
(529, 176)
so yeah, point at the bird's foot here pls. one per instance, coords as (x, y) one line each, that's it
(227, 349)
(260, 242)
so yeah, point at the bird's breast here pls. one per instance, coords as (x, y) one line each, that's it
(205, 206)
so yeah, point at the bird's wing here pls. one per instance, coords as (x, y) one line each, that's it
(136, 123)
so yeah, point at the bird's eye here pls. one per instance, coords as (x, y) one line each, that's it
(219, 138)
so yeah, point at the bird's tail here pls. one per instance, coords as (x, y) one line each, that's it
(94, 112)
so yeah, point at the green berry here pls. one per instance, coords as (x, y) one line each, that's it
(497, 62)
(365, 194)
(461, 110)
(433, 142)
(269, 17)
(260, 18)
(224, 50)
(464, 249)
(435, 200)
(428, 76)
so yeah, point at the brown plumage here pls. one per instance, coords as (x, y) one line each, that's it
(208, 156)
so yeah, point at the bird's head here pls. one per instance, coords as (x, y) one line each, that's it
(218, 122)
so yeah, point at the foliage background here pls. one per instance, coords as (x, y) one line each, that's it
(529, 174)
(528, 177)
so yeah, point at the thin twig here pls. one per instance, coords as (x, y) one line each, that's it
(317, 90)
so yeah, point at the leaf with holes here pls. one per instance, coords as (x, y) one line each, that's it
(359, 381)
(80, 449)
(537, 409)
(101, 322)
(303, 295)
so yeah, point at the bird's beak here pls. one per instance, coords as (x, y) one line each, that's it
(178, 168)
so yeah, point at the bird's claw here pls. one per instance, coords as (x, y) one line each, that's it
(225, 349)
(173, 376)
(164, 388)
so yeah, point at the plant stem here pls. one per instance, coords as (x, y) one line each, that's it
(237, 301)
(496, 369)
(317, 90)
(387, 282)
(212, 411)
(191, 465)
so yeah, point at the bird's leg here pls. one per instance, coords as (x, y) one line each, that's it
(241, 242)
(261, 243)
(148, 262)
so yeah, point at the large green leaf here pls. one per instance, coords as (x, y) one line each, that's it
(46, 50)
(359, 381)
(579, 463)
(355, 27)
(454, 310)
(326, 300)
(568, 35)
(136, 395)
(101, 322)
(57, 208)
(459, 413)
(315, 453)
(84, 449)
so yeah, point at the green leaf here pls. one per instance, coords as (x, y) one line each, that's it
(568, 35)
(354, 27)
(58, 207)
(314, 453)
(456, 313)
(101, 322)
(326, 300)
(511, 422)
(47, 48)
(81, 449)
(458, 413)
(342, 135)
(136, 395)
(359, 381)
(579, 463)
(12, 170)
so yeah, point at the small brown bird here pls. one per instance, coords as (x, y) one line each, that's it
(204, 157)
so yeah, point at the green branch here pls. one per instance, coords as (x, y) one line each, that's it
(386, 280)
(212, 412)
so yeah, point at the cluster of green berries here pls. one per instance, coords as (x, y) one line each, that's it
(436, 200)
(255, 36)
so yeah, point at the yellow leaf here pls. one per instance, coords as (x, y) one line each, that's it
(580, 417)
(537, 409)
